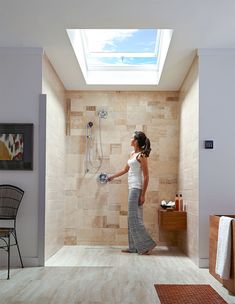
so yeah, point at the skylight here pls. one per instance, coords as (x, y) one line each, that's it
(119, 56)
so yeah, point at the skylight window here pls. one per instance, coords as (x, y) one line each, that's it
(133, 56)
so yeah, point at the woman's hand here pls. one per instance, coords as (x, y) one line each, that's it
(110, 178)
(142, 199)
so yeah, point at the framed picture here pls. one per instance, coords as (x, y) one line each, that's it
(16, 146)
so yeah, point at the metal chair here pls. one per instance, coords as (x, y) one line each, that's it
(10, 198)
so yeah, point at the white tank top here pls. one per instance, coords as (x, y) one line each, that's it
(135, 174)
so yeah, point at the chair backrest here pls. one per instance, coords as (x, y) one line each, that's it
(10, 198)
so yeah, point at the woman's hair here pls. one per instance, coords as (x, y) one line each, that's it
(143, 142)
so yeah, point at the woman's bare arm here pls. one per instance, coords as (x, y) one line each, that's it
(144, 165)
(119, 173)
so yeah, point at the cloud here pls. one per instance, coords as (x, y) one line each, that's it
(101, 40)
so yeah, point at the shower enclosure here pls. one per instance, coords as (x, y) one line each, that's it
(96, 213)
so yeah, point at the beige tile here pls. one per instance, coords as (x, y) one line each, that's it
(188, 158)
(123, 221)
(113, 218)
(116, 149)
(155, 113)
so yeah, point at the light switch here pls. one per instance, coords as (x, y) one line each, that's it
(208, 144)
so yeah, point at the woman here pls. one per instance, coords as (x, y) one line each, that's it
(138, 177)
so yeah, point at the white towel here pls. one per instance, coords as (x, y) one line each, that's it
(223, 257)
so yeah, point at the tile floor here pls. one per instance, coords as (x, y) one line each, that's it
(102, 274)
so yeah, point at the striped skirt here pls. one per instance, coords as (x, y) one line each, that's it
(139, 239)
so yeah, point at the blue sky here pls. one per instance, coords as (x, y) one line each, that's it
(138, 41)
(134, 41)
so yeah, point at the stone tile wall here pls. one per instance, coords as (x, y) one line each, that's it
(97, 213)
(189, 160)
(55, 159)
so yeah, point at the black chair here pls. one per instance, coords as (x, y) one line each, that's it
(10, 198)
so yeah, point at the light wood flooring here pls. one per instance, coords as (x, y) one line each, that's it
(102, 275)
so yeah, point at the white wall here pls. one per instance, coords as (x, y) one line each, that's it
(216, 122)
(20, 87)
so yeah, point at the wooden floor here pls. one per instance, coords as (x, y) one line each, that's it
(102, 274)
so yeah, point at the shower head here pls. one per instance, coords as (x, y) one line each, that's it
(103, 114)
(90, 124)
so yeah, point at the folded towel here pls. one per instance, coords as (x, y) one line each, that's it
(223, 257)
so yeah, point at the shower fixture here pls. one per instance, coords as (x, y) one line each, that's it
(90, 124)
(94, 150)
(89, 130)
(103, 114)
(103, 178)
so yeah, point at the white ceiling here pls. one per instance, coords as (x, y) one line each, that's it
(43, 23)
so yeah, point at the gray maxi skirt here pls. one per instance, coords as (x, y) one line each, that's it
(139, 239)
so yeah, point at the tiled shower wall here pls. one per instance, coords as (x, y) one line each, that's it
(189, 161)
(97, 213)
(55, 155)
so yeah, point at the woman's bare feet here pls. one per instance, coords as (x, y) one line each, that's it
(145, 253)
(126, 250)
(148, 252)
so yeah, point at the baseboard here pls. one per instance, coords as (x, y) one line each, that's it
(15, 261)
(203, 263)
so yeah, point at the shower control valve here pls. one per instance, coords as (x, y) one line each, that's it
(103, 178)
